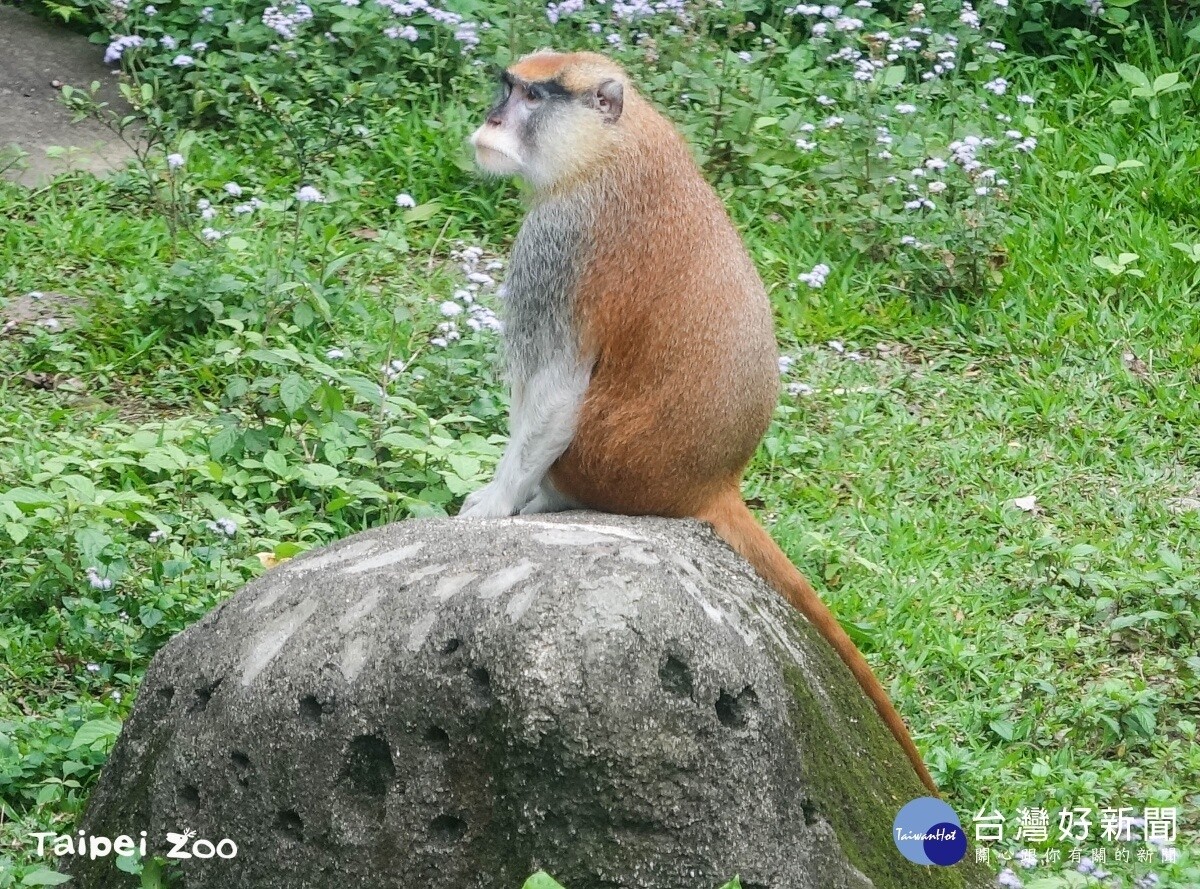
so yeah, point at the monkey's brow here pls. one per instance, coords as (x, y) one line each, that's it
(552, 87)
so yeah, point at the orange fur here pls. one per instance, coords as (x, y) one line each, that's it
(674, 316)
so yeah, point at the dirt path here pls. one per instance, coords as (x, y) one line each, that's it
(34, 55)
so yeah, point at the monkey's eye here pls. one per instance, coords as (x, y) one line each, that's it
(535, 94)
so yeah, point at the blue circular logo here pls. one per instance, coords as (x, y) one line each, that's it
(927, 831)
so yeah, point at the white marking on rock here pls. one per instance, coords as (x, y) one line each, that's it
(608, 530)
(427, 571)
(452, 585)
(420, 631)
(359, 610)
(268, 644)
(270, 598)
(355, 550)
(506, 579)
(385, 558)
(574, 537)
(638, 554)
(519, 604)
(693, 590)
(611, 603)
(354, 658)
(687, 565)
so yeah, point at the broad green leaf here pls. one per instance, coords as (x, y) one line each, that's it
(48, 794)
(222, 443)
(1126, 620)
(1132, 75)
(1171, 560)
(91, 542)
(83, 486)
(29, 499)
(270, 356)
(294, 392)
(464, 466)
(44, 877)
(96, 731)
(542, 880)
(1003, 728)
(319, 475)
(1165, 81)
(275, 462)
(421, 212)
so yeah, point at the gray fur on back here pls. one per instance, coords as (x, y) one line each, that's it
(540, 287)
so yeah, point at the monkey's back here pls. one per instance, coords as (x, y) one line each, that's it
(673, 311)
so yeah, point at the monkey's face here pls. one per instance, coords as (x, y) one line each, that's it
(503, 145)
(541, 130)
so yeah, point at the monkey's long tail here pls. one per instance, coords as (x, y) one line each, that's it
(732, 521)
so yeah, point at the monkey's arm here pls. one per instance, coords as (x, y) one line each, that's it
(542, 425)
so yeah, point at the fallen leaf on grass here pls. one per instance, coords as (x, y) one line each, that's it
(1027, 504)
(1136, 366)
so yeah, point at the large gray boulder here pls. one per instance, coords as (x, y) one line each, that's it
(621, 702)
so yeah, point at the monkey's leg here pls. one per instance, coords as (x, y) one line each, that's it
(549, 499)
(543, 424)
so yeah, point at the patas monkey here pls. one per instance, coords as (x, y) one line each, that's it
(640, 344)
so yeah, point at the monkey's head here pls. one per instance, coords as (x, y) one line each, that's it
(556, 115)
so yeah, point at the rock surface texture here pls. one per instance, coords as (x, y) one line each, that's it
(453, 703)
(34, 56)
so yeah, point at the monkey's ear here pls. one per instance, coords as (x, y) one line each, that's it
(609, 99)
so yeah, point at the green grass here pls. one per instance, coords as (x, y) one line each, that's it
(1044, 657)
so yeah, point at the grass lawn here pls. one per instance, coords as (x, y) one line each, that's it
(998, 492)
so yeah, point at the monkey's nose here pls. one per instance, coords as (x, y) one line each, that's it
(494, 121)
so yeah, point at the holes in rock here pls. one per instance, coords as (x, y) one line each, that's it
(204, 695)
(311, 709)
(810, 813)
(448, 828)
(734, 711)
(368, 769)
(189, 798)
(437, 737)
(241, 767)
(481, 677)
(676, 677)
(450, 646)
(166, 693)
(289, 825)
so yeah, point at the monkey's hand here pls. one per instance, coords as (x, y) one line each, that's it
(489, 502)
